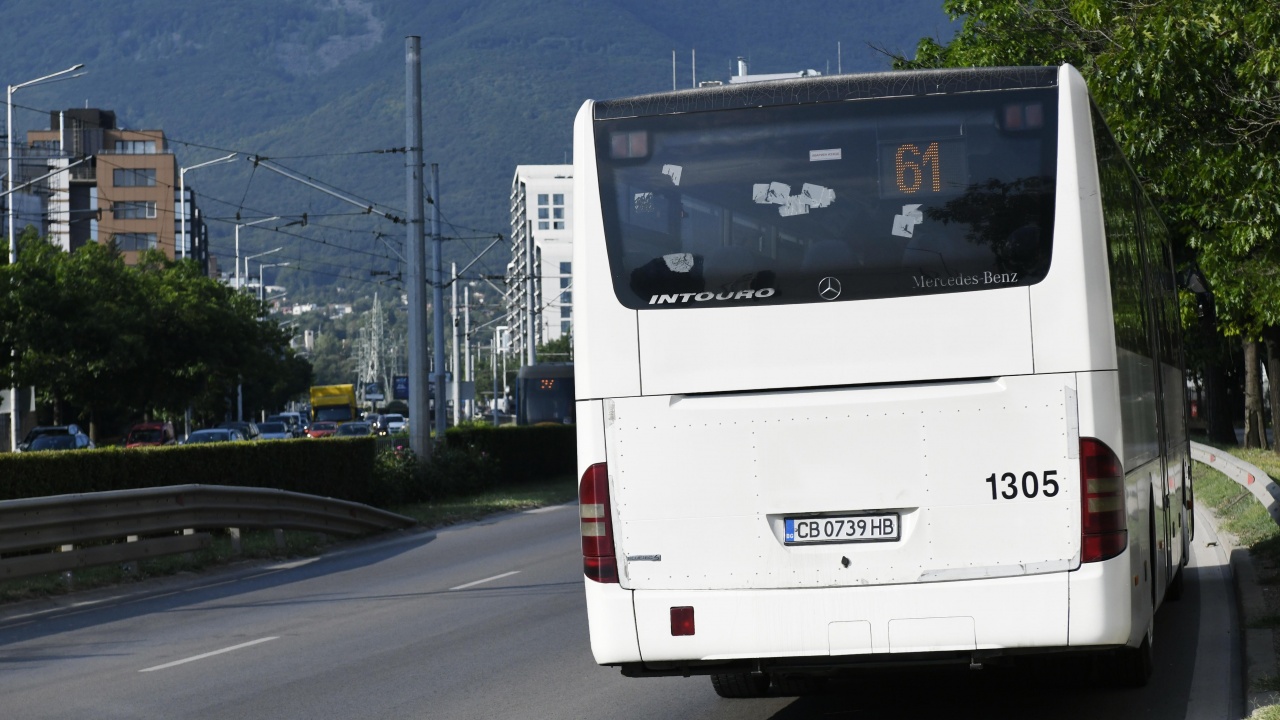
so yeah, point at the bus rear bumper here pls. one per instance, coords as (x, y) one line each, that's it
(817, 627)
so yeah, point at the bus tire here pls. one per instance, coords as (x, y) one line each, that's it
(1176, 586)
(740, 685)
(1131, 667)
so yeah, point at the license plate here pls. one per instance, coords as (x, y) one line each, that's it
(849, 528)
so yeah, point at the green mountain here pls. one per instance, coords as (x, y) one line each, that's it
(318, 85)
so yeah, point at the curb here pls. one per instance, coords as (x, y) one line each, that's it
(1259, 648)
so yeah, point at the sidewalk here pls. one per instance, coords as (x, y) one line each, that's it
(1260, 652)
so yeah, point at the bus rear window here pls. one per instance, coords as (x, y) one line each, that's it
(841, 201)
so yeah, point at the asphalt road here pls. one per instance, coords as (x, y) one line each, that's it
(488, 621)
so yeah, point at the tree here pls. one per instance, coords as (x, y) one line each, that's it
(1188, 87)
(97, 335)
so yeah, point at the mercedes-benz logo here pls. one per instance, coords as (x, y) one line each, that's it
(828, 288)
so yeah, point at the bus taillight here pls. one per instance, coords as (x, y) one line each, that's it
(1103, 528)
(598, 560)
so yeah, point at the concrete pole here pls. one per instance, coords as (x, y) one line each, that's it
(437, 293)
(466, 347)
(457, 371)
(531, 340)
(415, 255)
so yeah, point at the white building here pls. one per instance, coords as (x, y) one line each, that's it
(541, 215)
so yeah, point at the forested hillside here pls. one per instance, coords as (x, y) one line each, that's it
(318, 84)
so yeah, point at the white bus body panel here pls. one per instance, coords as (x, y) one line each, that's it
(706, 482)
(608, 364)
(1071, 313)
(876, 341)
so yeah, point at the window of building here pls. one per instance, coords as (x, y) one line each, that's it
(566, 297)
(557, 213)
(564, 312)
(565, 325)
(544, 225)
(133, 210)
(136, 147)
(542, 214)
(558, 225)
(135, 241)
(542, 199)
(557, 199)
(566, 268)
(134, 177)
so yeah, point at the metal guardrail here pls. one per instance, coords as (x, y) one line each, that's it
(40, 535)
(1245, 474)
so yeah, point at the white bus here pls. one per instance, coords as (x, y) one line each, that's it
(873, 369)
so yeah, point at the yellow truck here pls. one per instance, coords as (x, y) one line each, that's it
(334, 403)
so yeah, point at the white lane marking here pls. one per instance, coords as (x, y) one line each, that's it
(210, 654)
(488, 579)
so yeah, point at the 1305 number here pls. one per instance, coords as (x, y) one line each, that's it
(1009, 486)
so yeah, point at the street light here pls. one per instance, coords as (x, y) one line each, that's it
(262, 285)
(13, 239)
(247, 259)
(238, 226)
(182, 195)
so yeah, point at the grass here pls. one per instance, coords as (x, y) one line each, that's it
(502, 499)
(262, 544)
(1249, 522)
(1238, 513)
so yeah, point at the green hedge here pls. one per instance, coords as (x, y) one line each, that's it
(474, 459)
(524, 454)
(338, 467)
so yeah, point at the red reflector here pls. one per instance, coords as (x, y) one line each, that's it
(682, 621)
(1103, 526)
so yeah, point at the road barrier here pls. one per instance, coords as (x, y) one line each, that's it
(42, 535)
(1246, 474)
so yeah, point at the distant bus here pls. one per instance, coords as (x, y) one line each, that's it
(544, 394)
(873, 369)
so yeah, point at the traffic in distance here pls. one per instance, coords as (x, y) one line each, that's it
(544, 394)
(873, 370)
(337, 406)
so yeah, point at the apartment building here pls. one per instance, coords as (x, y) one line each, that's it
(541, 238)
(127, 192)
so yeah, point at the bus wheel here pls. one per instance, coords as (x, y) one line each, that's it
(740, 685)
(1176, 586)
(1131, 667)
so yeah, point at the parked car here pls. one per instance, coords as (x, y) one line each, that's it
(353, 429)
(39, 430)
(213, 435)
(274, 431)
(246, 428)
(150, 434)
(60, 438)
(323, 428)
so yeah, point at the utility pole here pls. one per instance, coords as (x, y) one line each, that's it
(457, 373)
(466, 342)
(531, 340)
(437, 299)
(415, 249)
